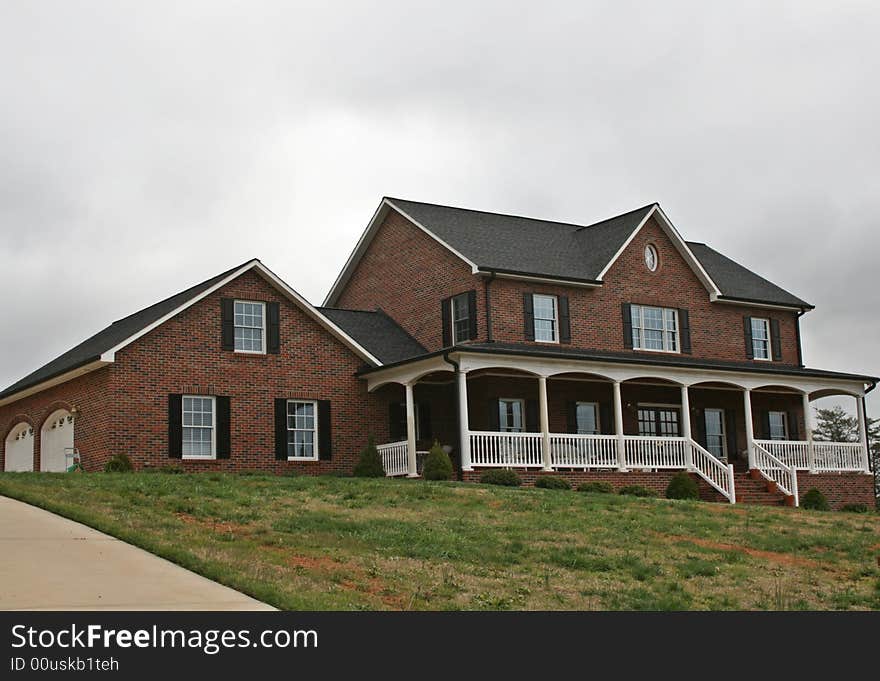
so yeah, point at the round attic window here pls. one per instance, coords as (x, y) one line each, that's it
(651, 258)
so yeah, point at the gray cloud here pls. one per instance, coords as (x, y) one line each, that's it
(146, 146)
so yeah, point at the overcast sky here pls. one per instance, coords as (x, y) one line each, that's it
(146, 146)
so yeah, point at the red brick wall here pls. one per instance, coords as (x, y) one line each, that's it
(407, 274)
(839, 488)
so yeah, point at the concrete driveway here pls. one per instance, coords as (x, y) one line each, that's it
(50, 563)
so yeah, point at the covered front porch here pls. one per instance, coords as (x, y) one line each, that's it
(578, 416)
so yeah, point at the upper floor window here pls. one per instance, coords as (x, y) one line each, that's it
(199, 440)
(654, 328)
(761, 338)
(250, 326)
(778, 422)
(546, 318)
(651, 258)
(461, 318)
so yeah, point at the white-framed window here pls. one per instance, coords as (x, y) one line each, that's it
(716, 437)
(778, 422)
(250, 326)
(511, 415)
(199, 432)
(654, 328)
(302, 430)
(659, 420)
(761, 338)
(651, 258)
(587, 417)
(546, 318)
(461, 322)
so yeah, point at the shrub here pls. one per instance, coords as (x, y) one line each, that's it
(118, 463)
(552, 482)
(438, 465)
(170, 470)
(855, 508)
(815, 501)
(370, 463)
(682, 486)
(501, 476)
(597, 487)
(636, 491)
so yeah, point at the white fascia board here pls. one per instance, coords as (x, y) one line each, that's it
(57, 380)
(539, 279)
(715, 298)
(473, 265)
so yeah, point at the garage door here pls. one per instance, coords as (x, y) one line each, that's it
(20, 448)
(56, 436)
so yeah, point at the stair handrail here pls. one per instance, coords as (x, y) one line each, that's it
(775, 470)
(713, 470)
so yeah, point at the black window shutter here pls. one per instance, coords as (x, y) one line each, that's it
(494, 416)
(730, 432)
(472, 314)
(626, 310)
(532, 416)
(227, 323)
(765, 424)
(425, 421)
(529, 316)
(281, 429)
(273, 339)
(775, 340)
(564, 320)
(175, 426)
(446, 321)
(223, 427)
(684, 327)
(747, 333)
(606, 411)
(325, 433)
(793, 429)
(396, 421)
(572, 417)
(698, 425)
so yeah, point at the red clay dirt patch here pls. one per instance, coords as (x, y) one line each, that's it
(772, 556)
(221, 526)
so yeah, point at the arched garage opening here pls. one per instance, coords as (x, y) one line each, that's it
(56, 439)
(20, 448)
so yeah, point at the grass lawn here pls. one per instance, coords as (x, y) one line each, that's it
(341, 543)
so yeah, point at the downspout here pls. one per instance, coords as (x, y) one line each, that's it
(797, 326)
(489, 280)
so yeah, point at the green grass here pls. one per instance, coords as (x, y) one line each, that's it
(344, 543)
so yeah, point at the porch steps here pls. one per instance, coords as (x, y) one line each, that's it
(759, 492)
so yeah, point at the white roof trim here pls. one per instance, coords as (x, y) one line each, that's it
(745, 303)
(366, 238)
(56, 380)
(278, 283)
(679, 243)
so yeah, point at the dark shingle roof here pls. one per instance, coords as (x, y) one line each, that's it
(510, 243)
(376, 332)
(92, 348)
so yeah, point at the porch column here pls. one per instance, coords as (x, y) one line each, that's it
(545, 423)
(863, 438)
(463, 425)
(750, 429)
(811, 455)
(618, 428)
(686, 428)
(412, 471)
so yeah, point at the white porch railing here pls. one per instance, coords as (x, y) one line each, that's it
(394, 458)
(655, 452)
(774, 469)
(714, 471)
(827, 456)
(583, 451)
(518, 450)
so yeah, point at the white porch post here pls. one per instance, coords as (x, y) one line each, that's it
(686, 427)
(410, 433)
(545, 423)
(811, 455)
(863, 438)
(618, 428)
(750, 428)
(463, 422)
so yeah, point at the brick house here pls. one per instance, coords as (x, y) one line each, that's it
(615, 351)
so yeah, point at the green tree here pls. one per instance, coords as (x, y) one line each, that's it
(835, 425)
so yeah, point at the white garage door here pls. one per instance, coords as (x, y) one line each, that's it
(56, 437)
(20, 448)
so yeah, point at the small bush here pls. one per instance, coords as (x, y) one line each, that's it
(552, 482)
(118, 463)
(597, 487)
(501, 476)
(814, 500)
(854, 508)
(682, 486)
(636, 491)
(438, 465)
(370, 463)
(170, 470)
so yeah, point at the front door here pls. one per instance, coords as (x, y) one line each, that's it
(659, 421)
